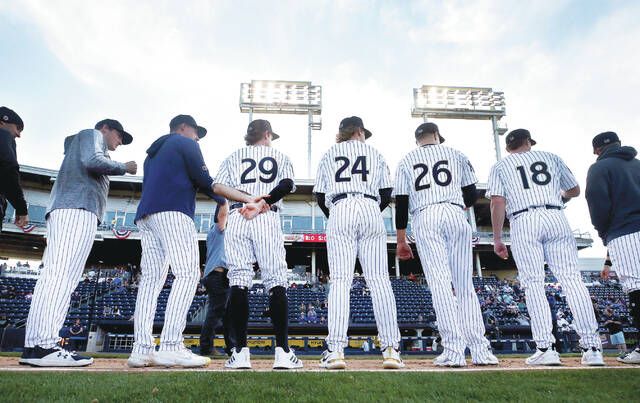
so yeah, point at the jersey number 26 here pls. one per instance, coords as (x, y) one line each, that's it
(441, 175)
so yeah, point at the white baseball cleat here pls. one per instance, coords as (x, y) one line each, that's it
(286, 360)
(181, 358)
(549, 357)
(631, 358)
(139, 360)
(55, 357)
(332, 360)
(391, 359)
(239, 359)
(484, 357)
(449, 359)
(592, 357)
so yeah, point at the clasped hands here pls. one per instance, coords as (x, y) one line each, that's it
(257, 206)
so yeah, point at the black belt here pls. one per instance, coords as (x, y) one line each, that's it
(547, 206)
(341, 196)
(273, 208)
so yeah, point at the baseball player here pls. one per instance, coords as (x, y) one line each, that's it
(529, 187)
(613, 195)
(78, 198)
(435, 183)
(258, 169)
(353, 186)
(217, 284)
(11, 126)
(173, 171)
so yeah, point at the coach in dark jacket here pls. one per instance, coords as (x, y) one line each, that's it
(613, 195)
(613, 188)
(11, 126)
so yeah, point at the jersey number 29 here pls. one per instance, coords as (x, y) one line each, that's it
(267, 167)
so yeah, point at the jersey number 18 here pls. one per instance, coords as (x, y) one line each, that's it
(539, 174)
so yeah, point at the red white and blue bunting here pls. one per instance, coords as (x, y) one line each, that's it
(28, 228)
(121, 233)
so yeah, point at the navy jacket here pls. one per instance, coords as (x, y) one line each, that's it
(174, 170)
(10, 175)
(613, 193)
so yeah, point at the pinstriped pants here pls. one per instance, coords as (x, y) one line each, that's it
(625, 256)
(169, 239)
(70, 235)
(443, 239)
(541, 236)
(257, 240)
(356, 229)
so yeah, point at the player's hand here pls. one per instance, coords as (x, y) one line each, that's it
(251, 210)
(604, 274)
(500, 249)
(131, 167)
(22, 220)
(259, 198)
(403, 251)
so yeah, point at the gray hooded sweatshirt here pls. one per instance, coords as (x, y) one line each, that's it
(82, 181)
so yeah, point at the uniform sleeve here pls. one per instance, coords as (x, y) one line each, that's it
(567, 180)
(223, 176)
(196, 168)
(10, 176)
(599, 200)
(468, 174)
(495, 186)
(403, 180)
(93, 156)
(385, 174)
(322, 184)
(287, 172)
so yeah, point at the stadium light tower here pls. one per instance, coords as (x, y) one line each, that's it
(287, 98)
(435, 101)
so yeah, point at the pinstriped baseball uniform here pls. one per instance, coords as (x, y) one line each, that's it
(77, 203)
(432, 176)
(255, 170)
(355, 229)
(531, 183)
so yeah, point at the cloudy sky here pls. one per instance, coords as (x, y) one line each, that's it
(569, 70)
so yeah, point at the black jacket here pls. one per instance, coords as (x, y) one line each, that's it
(10, 173)
(613, 193)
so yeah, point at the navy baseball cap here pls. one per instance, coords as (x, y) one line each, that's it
(604, 139)
(10, 116)
(115, 125)
(259, 126)
(515, 136)
(354, 121)
(429, 128)
(189, 121)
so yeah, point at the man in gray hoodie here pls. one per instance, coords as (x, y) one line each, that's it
(613, 195)
(78, 199)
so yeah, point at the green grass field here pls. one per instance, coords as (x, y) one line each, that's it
(596, 385)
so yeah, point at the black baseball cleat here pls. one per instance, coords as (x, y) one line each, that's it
(26, 355)
(54, 357)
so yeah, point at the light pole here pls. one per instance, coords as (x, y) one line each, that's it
(471, 103)
(285, 98)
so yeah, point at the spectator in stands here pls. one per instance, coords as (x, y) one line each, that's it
(323, 320)
(11, 126)
(366, 347)
(616, 334)
(412, 277)
(312, 316)
(116, 312)
(75, 331)
(303, 316)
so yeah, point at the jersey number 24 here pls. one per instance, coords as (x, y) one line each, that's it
(359, 168)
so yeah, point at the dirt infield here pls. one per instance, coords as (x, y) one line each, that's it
(264, 364)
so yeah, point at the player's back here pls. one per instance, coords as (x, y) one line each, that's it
(352, 167)
(433, 174)
(532, 178)
(255, 170)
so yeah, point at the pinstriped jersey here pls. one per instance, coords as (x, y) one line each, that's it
(532, 178)
(352, 167)
(433, 174)
(255, 170)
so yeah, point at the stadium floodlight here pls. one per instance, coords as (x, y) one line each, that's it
(284, 97)
(476, 103)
